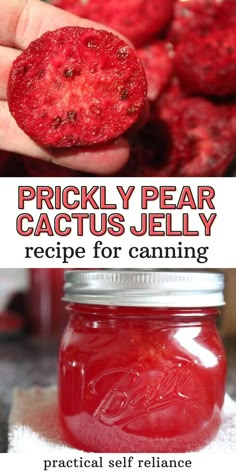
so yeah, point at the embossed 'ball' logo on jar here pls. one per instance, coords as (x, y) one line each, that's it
(133, 395)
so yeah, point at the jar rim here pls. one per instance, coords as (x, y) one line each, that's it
(145, 287)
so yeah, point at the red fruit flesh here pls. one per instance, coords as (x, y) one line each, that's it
(76, 87)
(191, 15)
(186, 137)
(157, 59)
(206, 64)
(232, 120)
(138, 20)
(200, 16)
(202, 140)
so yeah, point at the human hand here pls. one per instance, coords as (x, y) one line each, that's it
(21, 22)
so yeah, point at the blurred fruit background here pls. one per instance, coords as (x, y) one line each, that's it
(188, 50)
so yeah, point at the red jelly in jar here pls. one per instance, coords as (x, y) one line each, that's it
(141, 366)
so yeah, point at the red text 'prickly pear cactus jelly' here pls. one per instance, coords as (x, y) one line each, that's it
(141, 366)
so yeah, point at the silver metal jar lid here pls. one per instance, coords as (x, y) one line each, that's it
(153, 288)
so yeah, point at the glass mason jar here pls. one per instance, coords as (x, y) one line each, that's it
(141, 365)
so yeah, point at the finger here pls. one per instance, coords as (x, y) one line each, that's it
(7, 56)
(106, 159)
(102, 160)
(25, 20)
